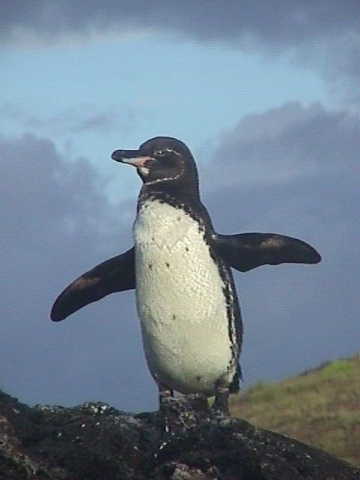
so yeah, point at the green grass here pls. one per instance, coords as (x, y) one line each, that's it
(319, 407)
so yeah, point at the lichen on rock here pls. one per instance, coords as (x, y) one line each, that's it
(185, 441)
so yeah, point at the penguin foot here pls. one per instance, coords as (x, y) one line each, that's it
(180, 414)
(165, 394)
(221, 402)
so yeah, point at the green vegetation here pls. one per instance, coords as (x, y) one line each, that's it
(319, 407)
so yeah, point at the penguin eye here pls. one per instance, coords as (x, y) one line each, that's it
(160, 153)
(166, 154)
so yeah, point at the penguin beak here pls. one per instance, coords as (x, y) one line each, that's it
(132, 157)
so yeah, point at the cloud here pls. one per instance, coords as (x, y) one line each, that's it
(293, 170)
(286, 23)
(323, 35)
(290, 170)
(80, 119)
(57, 223)
(287, 144)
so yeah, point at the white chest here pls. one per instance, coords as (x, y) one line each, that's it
(180, 301)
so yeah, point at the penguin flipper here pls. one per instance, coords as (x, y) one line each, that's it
(114, 275)
(245, 251)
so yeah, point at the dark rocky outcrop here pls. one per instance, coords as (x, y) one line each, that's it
(96, 442)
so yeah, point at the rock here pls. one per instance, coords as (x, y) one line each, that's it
(185, 441)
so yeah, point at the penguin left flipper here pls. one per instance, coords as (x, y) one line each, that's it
(114, 275)
(245, 251)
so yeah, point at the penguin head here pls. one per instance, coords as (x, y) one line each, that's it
(162, 161)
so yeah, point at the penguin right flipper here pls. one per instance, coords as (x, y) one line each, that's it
(114, 275)
(245, 251)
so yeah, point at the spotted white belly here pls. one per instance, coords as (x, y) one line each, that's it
(180, 301)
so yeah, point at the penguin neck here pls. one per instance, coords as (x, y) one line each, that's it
(184, 192)
(187, 199)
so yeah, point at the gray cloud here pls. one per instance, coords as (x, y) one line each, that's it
(323, 35)
(293, 170)
(287, 144)
(286, 22)
(57, 224)
(79, 119)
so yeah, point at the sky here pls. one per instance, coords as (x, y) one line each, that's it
(265, 94)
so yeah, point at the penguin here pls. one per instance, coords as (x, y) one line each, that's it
(180, 268)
